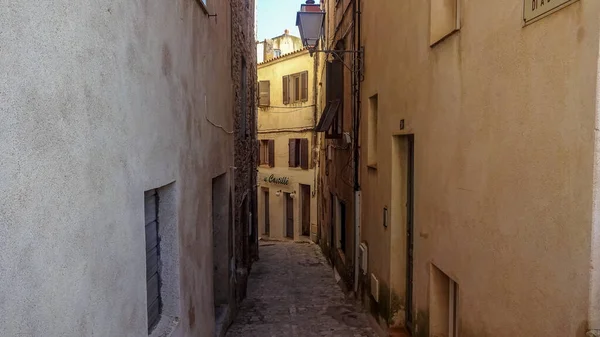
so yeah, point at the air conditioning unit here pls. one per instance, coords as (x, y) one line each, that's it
(363, 257)
(375, 287)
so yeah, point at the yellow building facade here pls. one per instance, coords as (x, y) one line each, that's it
(287, 173)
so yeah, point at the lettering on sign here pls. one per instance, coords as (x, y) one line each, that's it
(277, 180)
(535, 9)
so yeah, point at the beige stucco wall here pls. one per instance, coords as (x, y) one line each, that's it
(282, 122)
(503, 119)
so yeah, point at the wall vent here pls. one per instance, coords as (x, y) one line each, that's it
(375, 287)
(363, 258)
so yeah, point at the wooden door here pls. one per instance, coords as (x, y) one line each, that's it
(267, 215)
(305, 190)
(289, 216)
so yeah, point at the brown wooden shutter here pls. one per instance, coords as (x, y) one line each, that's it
(292, 153)
(152, 259)
(261, 152)
(271, 159)
(304, 83)
(264, 88)
(286, 89)
(304, 153)
(329, 82)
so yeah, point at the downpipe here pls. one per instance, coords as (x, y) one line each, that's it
(356, 103)
(594, 283)
(357, 207)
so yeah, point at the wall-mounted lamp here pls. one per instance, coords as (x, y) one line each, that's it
(278, 193)
(293, 195)
(310, 21)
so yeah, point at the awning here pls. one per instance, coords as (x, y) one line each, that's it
(331, 109)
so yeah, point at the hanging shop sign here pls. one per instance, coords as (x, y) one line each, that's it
(277, 180)
(536, 9)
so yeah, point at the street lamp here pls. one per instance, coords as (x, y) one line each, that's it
(310, 23)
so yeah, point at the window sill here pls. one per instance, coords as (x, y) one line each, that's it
(432, 44)
(166, 327)
(298, 168)
(265, 166)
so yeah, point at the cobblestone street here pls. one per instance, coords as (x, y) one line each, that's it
(292, 292)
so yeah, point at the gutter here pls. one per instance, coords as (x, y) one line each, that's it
(594, 283)
(357, 104)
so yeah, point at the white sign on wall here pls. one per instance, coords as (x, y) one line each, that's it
(535, 9)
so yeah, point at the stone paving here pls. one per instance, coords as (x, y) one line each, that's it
(292, 292)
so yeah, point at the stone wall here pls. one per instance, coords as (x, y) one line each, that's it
(243, 57)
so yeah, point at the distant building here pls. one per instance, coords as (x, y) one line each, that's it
(287, 172)
(280, 45)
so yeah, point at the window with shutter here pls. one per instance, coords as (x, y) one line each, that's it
(286, 93)
(295, 88)
(304, 81)
(152, 259)
(292, 153)
(332, 118)
(264, 152)
(162, 256)
(264, 88)
(271, 153)
(304, 154)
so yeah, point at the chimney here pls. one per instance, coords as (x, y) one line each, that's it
(287, 32)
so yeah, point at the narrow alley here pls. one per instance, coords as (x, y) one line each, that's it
(292, 292)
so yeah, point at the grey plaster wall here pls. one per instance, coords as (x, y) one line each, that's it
(100, 101)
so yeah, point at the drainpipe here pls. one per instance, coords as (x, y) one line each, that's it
(315, 146)
(357, 79)
(594, 285)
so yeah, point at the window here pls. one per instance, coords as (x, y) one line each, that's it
(162, 259)
(276, 52)
(444, 19)
(331, 121)
(264, 89)
(443, 303)
(298, 153)
(295, 88)
(372, 132)
(152, 260)
(267, 152)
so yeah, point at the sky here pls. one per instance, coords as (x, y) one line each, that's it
(275, 16)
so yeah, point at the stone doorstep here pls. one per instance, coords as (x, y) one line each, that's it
(375, 326)
(398, 332)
